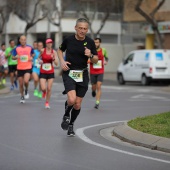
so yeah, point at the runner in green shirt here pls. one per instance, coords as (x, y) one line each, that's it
(12, 64)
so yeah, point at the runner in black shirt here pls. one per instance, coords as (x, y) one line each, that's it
(79, 48)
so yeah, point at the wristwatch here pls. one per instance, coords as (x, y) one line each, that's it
(91, 56)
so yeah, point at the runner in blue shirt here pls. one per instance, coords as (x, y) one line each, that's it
(36, 70)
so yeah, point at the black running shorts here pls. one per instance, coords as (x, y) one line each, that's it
(80, 87)
(12, 68)
(46, 76)
(21, 73)
(2, 69)
(94, 78)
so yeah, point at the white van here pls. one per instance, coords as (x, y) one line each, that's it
(145, 66)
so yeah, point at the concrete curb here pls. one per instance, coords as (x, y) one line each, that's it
(127, 134)
(5, 90)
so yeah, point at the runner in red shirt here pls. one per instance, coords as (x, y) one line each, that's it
(48, 56)
(97, 72)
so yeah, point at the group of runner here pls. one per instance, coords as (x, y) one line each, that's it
(75, 52)
(38, 63)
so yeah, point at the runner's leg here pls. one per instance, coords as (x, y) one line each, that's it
(21, 85)
(26, 84)
(12, 78)
(74, 114)
(5, 75)
(15, 77)
(43, 84)
(93, 79)
(98, 94)
(36, 79)
(76, 110)
(49, 89)
(71, 98)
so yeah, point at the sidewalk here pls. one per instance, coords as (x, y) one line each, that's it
(5, 90)
(127, 134)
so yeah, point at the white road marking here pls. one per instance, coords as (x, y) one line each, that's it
(9, 95)
(106, 100)
(137, 96)
(81, 135)
(142, 96)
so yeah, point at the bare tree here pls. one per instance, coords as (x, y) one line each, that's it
(150, 18)
(36, 15)
(55, 14)
(31, 11)
(94, 10)
(91, 14)
(2, 19)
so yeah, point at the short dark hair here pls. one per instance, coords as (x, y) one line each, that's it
(82, 20)
(2, 44)
(11, 40)
(39, 42)
(98, 39)
(35, 42)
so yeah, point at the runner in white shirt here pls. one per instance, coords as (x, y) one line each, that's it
(3, 65)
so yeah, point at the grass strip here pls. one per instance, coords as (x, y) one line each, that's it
(158, 124)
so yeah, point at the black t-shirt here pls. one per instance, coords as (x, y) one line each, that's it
(75, 51)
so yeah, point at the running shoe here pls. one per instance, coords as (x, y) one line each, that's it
(16, 84)
(93, 94)
(3, 81)
(12, 87)
(39, 95)
(22, 100)
(47, 106)
(70, 132)
(96, 106)
(65, 123)
(27, 96)
(36, 92)
(44, 95)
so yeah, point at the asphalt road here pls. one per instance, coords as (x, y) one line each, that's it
(31, 137)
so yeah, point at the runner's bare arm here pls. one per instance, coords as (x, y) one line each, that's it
(39, 57)
(93, 58)
(8, 55)
(32, 56)
(55, 58)
(63, 63)
(15, 57)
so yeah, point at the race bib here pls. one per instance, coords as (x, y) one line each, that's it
(98, 65)
(37, 64)
(47, 66)
(76, 75)
(24, 58)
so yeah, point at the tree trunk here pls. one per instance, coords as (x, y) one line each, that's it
(159, 38)
(151, 20)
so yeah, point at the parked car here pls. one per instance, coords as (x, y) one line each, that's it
(144, 66)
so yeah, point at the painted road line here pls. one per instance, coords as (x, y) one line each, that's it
(81, 135)
(142, 96)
